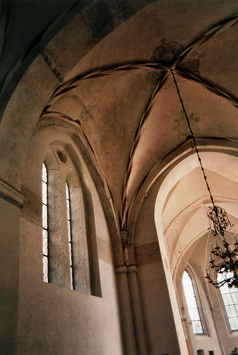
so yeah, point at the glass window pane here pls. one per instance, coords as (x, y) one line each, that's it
(45, 241)
(230, 299)
(69, 236)
(197, 327)
(231, 311)
(44, 193)
(44, 223)
(68, 212)
(233, 323)
(44, 173)
(67, 191)
(190, 293)
(227, 299)
(192, 304)
(194, 315)
(70, 255)
(191, 300)
(68, 207)
(44, 217)
(71, 278)
(45, 269)
(69, 230)
(234, 296)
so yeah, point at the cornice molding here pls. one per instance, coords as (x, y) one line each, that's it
(11, 195)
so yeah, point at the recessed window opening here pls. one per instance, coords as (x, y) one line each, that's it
(69, 244)
(45, 231)
(69, 226)
(192, 304)
(230, 300)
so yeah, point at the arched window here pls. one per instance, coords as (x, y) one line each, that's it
(77, 235)
(69, 227)
(70, 256)
(230, 300)
(192, 304)
(45, 232)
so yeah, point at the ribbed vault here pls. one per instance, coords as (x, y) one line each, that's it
(125, 103)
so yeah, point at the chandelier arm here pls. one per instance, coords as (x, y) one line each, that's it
(193, 138)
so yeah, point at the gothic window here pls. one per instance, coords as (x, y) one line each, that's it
(230, 300)
(69, 229)
(45, 222)
(192, 303)
(77, 234)
(69, 244)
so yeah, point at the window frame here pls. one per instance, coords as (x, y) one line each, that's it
(85, 263)
(80, 249)
(198, 303)
(69, 235)
(224, 306)
(45, 223)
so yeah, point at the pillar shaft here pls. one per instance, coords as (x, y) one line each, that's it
(137, 310)
(126, 314)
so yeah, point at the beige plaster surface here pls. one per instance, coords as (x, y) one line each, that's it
(115, 110)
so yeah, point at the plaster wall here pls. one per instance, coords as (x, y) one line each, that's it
(20, 118)
(56, 320)
(160, 328)
(44, 318)
(53, 319)
(160, 331)
(9, 275)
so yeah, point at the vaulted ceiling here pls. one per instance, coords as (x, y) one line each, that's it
(114, 60)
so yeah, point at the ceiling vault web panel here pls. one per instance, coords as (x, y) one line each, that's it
(159, 70)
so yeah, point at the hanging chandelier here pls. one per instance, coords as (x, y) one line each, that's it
(222, 259)
(225, 263)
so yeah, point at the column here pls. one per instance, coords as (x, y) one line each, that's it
(125, 311)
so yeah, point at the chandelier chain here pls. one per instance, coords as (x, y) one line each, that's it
(225, 262)
(193, 138)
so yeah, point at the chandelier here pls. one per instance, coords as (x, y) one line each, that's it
(222, 259)
(225, 263)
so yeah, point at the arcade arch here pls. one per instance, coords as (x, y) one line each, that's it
(182, 228)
